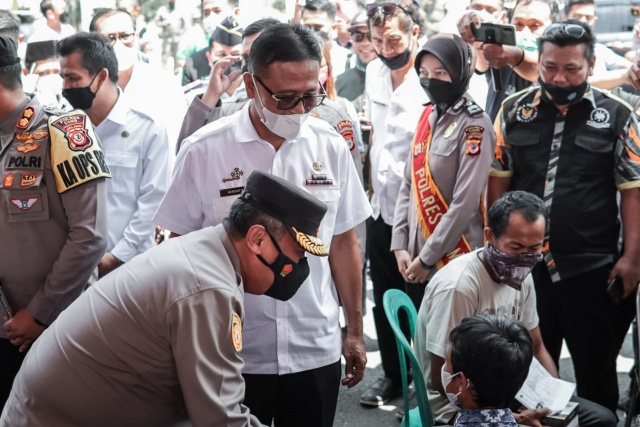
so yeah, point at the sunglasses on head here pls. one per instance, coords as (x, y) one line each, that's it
(358, 36)
(572, 30)
(385, 8)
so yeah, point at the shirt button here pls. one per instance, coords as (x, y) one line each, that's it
(120, 160)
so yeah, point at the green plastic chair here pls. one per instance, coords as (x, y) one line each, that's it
(393, 301)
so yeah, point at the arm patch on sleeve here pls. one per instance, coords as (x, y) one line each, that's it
(76, 156)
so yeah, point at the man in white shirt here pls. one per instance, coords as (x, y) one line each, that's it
(291, 346)
(54, 26)
(491, 280)
(394, 102)
(135, 145)
(148, 88)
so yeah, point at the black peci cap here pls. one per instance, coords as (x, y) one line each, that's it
(297, 209)
(8, 51)
(39, 51)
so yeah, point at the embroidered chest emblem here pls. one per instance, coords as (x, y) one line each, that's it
(599, 119)
(526, 113)
(236, 173)
(25, 204)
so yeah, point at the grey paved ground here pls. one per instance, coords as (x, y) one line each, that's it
(351, 414)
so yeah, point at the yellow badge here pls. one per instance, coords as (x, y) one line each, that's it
(76, 156)
(236, 332)
(449, 131)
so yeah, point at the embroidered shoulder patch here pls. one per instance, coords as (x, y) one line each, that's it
(474, 139)
(76, 156)
(236, 332)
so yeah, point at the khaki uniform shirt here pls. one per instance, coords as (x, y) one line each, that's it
(155, 338)
(51, 242)
(460, 172)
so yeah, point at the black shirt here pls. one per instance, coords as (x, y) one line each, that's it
(597, 157)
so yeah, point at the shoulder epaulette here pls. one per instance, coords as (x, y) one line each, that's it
(520, 92)
(469, 106)
(76, 156)
(608, 94)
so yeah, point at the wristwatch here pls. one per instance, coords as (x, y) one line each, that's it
(119, 262)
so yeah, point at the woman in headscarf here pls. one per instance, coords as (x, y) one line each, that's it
(439, 212)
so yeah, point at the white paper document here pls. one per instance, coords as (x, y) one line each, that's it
(541, 390)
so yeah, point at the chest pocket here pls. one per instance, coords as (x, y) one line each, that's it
(124, 171)
(24, 189)
(592, 153)
(330, 196)
(443, 147)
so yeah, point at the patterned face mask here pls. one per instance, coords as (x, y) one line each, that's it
(510, 269)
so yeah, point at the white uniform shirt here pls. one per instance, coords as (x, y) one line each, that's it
(607, 60)
(158, 94)
(394, 116)
(43, 32)
(136, 150)
(211, 169)
(461, 289)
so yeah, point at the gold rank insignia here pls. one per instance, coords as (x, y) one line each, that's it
(317, 166)
(8, 180)
(449, 131)
(236, 332)
(28, 142)
(25, 119)
(40, 133)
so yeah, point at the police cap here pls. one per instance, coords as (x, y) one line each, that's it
(297, 209)
(228, 32)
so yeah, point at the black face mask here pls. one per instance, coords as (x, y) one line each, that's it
(288, 276)
(80, 97)
(439, 91)
(398, 61)
(564, 95)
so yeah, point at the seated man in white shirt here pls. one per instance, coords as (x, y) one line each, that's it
(492, 280)
(135, 145)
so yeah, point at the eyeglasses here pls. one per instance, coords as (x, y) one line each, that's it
(124, 38)
(386, 8)
(572, 30)
(358, 36)
(289, 102)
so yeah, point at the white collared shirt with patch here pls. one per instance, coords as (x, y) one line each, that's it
(211, 169)
(394, 115)
(136, 150)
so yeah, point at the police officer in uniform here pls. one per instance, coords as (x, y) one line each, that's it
(52, 212)
(163, 333)
(438, 213)
(576, 147)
